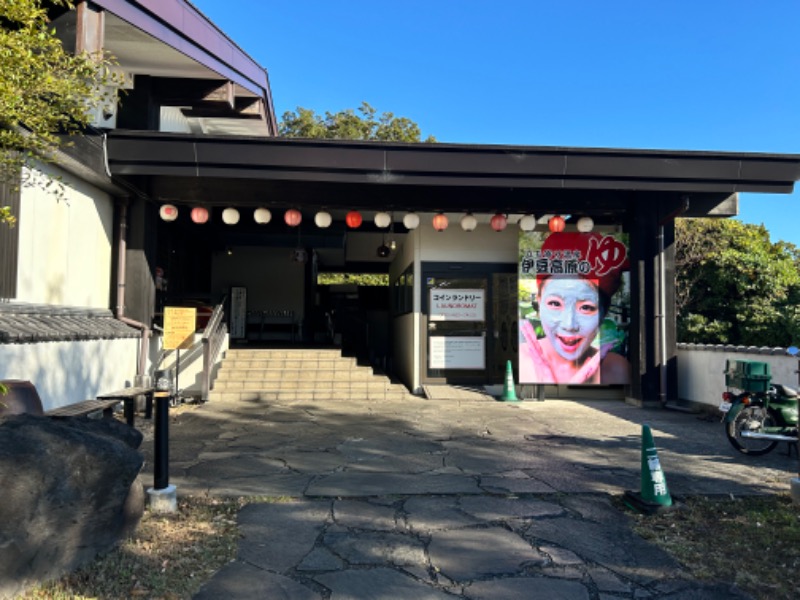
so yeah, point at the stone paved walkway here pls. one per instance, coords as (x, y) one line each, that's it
(451, 499)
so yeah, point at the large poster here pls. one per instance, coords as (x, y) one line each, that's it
(573, 309)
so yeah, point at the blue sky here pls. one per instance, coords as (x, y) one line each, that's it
(679, 74)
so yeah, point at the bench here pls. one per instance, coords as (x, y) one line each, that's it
(86, 407)
(128, 397)
(23, 398)
(106, 403)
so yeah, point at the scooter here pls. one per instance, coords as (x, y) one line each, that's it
(757, 419)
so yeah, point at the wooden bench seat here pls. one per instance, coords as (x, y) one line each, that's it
(107, 402)
(23, 398)
(86, 407)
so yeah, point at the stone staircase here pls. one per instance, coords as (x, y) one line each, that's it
(300, 374)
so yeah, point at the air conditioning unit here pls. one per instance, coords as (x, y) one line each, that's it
(104, 115)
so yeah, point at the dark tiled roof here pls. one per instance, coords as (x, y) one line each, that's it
(29, 323)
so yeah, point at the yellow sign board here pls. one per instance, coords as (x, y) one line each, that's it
(179, 327)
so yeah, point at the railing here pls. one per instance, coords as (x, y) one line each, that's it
(213, 339)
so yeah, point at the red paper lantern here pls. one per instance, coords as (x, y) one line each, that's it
(440, 222)
(199, 215)
(557, 224)
(353, 219)
(293, 217)
(499, 222)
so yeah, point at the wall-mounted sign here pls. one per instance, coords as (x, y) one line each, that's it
(458, 352)
(180, 324)
(238, 317)
(456, 305)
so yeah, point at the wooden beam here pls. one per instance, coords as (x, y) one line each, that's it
(90, 29)
(194, 92)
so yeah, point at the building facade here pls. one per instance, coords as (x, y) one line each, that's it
(253, 220)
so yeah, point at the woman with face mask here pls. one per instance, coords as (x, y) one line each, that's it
(571, 310)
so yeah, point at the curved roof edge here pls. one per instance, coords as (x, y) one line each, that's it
(148, 153)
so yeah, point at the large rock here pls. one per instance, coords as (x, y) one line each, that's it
(70, 491)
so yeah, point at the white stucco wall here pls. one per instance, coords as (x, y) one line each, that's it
(456, 245)
(701, 369)
(65, 243)
(69, 372)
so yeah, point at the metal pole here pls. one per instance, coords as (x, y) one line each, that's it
(177, 374)
(161, 459)
(662, 319)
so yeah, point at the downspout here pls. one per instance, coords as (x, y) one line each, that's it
(662, 298)
(122, 248)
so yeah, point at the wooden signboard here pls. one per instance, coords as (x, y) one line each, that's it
(179, 327)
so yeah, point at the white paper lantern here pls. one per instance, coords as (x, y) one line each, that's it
(262, 216)
(383, 220)
(168, 212)
(323, 219)
(527, 223)
(585, 224)
(230, 216)
(469, 222)
(411, 220)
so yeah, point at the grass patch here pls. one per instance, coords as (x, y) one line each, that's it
(169, 556)
(753, 542)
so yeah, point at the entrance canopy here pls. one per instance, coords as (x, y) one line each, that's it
(636, 192)
(602, 183)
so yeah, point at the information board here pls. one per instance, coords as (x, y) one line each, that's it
(238, 318)
(457, 352)
(180, 324)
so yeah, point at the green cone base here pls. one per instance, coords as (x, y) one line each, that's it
(509, 393)
(635, 501)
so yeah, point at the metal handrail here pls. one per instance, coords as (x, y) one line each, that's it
(213, 338)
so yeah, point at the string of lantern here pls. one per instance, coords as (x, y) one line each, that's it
(411, 220)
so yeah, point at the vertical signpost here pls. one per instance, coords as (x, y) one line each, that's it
(180, 324)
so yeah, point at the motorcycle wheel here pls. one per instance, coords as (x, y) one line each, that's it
(751, 418)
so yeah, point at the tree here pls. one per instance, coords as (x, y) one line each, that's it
(44, 91)
(347, 125)
(734, 286)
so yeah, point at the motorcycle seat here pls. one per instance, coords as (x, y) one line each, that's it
(785, 391)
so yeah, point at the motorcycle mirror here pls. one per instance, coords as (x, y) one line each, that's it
(793, 350)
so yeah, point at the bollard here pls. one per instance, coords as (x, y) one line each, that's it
(653, 496)
(161, 441)
(163, 496)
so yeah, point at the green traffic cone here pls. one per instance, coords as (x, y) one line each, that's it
(654, 496)
(509, 393)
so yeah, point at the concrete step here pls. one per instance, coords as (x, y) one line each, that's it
(299, 374)
(331, 395)
(298, 354)
(356, 386)
(294, 375)
(291, 363)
